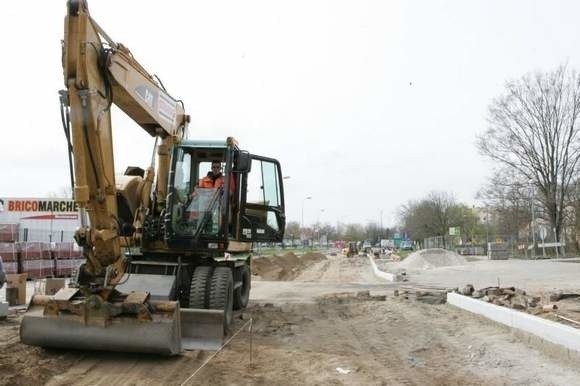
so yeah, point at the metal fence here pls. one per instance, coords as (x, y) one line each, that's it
(516, 247)
(435, 242)
(45, 235)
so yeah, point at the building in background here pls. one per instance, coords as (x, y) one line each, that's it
(36, 236)
(38, 219)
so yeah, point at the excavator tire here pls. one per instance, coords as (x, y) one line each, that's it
(242, 293)
(198, 290)
(221, 294)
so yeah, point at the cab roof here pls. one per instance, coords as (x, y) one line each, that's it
(203, 143)
(209, 143)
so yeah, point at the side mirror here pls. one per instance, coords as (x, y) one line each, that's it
(242, 162)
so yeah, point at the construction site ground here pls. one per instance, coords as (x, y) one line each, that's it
(320, 326)
(533, 275)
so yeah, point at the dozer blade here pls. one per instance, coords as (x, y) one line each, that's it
(202, 329)
(161, 335)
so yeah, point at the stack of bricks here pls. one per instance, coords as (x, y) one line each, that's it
(36, 259)
(64, 255)
(9, 254)
(8, 233)
(9, 247)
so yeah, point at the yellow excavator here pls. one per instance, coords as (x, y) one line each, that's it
(168, 256)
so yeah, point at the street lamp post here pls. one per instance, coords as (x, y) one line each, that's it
(533, 193)
(318, 226)
(302, 217)
(486, 226)
(338, 223)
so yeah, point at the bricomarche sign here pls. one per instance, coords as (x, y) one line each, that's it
(37, 205)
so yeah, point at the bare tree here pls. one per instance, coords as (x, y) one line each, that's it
(533, 128)
(373, 232)
(354, 232)
(433, 215)
(292, 230)
(508, 196)
(416, 218)
(444, 209)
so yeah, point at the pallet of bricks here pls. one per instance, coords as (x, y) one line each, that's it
(9, 247)
(67, 258)
(36, 259)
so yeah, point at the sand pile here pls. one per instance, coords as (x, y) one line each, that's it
(285, 267)
(312, 257)
(432, 258)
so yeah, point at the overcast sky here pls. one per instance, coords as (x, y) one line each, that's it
(366, 104)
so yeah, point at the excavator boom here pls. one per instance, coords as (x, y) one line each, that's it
(92, 314)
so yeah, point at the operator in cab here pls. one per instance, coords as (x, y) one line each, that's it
(214, 178)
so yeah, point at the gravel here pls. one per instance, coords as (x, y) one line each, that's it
(432, 258)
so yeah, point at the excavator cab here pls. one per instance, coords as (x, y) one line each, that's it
(246, 203)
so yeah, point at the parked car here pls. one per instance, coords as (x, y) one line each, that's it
(406, 245)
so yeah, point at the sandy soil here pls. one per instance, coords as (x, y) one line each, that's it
(327, 339)
(283, 267)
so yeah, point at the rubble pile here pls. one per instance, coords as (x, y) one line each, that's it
(511, 297)
(424, 294)
(556, 305)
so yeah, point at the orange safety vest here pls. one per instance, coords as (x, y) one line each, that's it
(208, 182)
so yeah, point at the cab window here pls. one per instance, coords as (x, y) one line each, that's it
(263, 184)
(182, 182)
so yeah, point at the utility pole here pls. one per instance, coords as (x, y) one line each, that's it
(533, 194)
(486, 226)
(381, 224)
(302, 219)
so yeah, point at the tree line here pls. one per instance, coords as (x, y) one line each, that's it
(342, 231)
(532, 137)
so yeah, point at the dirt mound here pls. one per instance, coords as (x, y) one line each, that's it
(432, 258)
(27, 365)
(312, 257)
(285, 267)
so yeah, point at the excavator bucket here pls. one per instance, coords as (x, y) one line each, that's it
(169, 331)
(202, 329)
(161, 335)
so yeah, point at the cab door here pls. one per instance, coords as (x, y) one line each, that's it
(262, 215)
